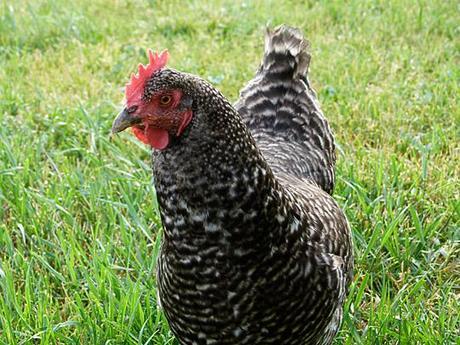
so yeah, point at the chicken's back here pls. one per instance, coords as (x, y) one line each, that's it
(281, 110)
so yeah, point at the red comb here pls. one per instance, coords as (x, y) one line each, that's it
(136, 85)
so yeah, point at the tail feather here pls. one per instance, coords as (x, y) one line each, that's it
(286, 40)
(281, 110)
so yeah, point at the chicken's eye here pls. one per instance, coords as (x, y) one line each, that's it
(165, 99)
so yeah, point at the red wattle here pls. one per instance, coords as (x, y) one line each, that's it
(158, 138)
(139, 133)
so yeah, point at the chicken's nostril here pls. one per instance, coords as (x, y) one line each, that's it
(132, 109)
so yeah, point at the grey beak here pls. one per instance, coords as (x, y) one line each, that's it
(123, 121)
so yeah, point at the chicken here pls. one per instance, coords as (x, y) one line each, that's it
(254, 249)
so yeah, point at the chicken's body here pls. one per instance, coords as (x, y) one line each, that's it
(254, 250)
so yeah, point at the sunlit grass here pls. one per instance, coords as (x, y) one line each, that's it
(78, 215)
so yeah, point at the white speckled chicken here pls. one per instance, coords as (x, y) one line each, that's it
(255, 250)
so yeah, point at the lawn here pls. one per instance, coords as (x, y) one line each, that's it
(79, 227)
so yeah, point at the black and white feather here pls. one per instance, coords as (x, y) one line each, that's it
(255, 250)
(282, 111)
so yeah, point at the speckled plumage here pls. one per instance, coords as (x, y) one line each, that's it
(255, 250)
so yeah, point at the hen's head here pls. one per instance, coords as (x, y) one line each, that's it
(156, 106)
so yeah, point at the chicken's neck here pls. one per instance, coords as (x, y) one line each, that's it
(217, 188)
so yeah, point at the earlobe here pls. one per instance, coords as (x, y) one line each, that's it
(184, 122)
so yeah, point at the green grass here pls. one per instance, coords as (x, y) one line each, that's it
(78, 216)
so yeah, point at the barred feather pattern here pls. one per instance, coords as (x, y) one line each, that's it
(252, 252)
(281, 110)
